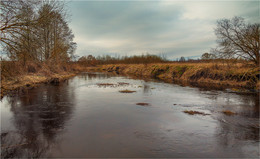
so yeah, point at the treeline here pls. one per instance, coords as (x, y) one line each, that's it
(91, 60)
(107, 59)
(36, 31)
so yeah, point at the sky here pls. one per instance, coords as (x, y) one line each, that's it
(164, 27)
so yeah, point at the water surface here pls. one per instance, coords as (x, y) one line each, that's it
(79, 118)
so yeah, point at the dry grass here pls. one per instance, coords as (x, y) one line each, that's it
(228, 112)
(143, 104)
(105, 84)
(112, 85)
(28, 81)
(22, 81)
(122, 83)
(126, 91)
(191, 112)
(223, 74)
(15, 75)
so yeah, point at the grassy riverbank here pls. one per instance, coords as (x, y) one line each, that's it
(217, 74)
(14, 76)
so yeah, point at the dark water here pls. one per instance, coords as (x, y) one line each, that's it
(78, 118)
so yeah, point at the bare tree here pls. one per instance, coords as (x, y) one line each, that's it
(12, 19)
(36, 30)
(237, 39)
(54, 32)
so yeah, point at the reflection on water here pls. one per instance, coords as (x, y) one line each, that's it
(78, 118)
(38, 118)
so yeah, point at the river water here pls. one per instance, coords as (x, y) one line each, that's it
(84, 118)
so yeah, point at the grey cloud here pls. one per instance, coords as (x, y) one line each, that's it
(139, 27)
(122, 20)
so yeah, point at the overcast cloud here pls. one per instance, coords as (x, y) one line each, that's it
(172, 28)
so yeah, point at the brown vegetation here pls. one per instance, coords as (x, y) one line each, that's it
(112, 85)
(219, 74)
(122, 83)
(15, 75)
(191, 112)
(107, 85)
(228, 112)
(126, 91)
(143, 104)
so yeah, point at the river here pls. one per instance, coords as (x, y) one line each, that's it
(87, 116)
